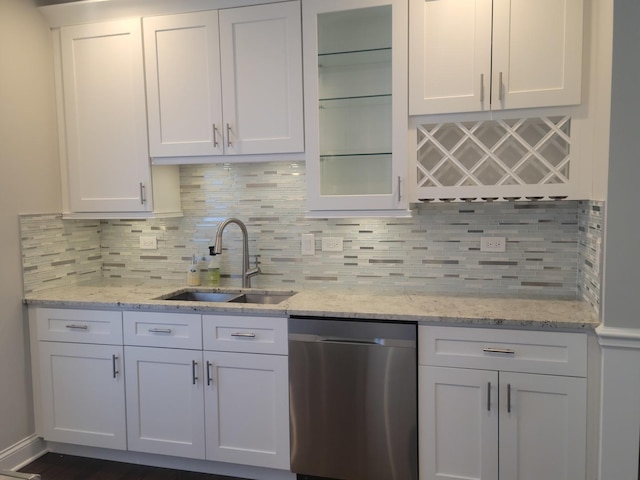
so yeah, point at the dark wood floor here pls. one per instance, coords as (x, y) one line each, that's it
(53, 466)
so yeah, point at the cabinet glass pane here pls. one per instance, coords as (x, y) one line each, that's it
(355, 85)
(355, 175)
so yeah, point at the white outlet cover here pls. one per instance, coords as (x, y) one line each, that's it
(148, 242)
(493, 244)
(332, 244)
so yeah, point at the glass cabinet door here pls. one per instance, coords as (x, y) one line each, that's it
(355, 160)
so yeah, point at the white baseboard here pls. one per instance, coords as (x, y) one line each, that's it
(22, 453)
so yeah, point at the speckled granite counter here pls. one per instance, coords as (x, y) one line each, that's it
(346, 303)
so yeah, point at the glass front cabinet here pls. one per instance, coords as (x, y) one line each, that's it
(356, 106)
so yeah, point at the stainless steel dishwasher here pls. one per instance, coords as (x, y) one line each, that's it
(353, 399)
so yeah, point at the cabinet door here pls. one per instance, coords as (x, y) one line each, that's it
(261, 52)
(542, 427)
(450, 56)
(356, 104)
(165, 401)
(458, 426)
(105, 117)
(182, 60)
(247, 409)
(537, 53)
(82, 390)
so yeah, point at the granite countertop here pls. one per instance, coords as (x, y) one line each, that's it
(344, 303)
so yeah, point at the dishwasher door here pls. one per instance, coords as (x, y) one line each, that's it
(353, 399)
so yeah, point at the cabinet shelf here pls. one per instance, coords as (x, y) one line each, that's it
(355, 97)
(358, 154)
(351, 58)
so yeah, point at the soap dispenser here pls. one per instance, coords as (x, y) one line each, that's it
(213, 271)
(193, 277)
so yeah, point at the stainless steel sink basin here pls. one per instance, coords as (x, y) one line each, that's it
(262, 298)
(268, 298)
(202, 296)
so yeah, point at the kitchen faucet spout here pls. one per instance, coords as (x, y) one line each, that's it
(216, 249)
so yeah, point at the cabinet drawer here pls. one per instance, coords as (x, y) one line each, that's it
(172, 330)
(554, 353)
(229, 333)
(79, 326)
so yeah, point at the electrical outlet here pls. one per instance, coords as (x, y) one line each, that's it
(493, 244)
(332, 244)
(308, 244)
(149, 243)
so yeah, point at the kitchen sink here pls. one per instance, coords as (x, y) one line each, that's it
(202, 296)
(263, 298)
(267, 298)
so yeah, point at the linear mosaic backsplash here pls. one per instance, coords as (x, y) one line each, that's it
(553, 248)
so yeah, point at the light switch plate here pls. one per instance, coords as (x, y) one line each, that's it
(308, 244)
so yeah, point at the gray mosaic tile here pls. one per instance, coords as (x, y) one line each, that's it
(553, 248)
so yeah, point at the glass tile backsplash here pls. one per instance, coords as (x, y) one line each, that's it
(552, 250)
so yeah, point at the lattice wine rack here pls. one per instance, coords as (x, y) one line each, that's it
(494, 159)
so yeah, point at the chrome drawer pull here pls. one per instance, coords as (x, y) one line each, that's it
(244, 335)
(114, 365)
(160, 330)
(209, 377)
(194, 372)
(504, 351)
(77, 327)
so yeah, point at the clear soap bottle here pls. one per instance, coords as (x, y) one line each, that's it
(193, 276)
(213, 271)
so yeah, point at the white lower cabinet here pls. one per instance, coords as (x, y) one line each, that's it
(228, 405)
(82, 394)
(79, 387)
(246, 409)
(247, 391)
(488, 422)
(165, 404)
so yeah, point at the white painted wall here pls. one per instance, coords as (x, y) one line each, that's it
(29, 182)
(622, 237)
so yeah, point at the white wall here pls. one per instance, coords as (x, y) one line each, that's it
(622, 237)
(29, 182)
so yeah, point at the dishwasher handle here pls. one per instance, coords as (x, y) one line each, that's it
(356, 341)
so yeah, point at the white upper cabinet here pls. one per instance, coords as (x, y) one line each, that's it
(103, 127)
(225, 82)
(477, 55)
(356, 106)
(182, 60)
(104, 108)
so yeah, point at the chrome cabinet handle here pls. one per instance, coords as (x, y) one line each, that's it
(77, 327)
(114, 365)
(244, 335)
(194, 371)
(482, 88)
(209, 377)
(143, 194)
(500, 89)
(399, 189)
(503, 351)
(215, 136)
(509, 398)
(160, 330)
(228, 135)
(488, 396)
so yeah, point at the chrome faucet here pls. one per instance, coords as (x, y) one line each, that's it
(247, 272)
